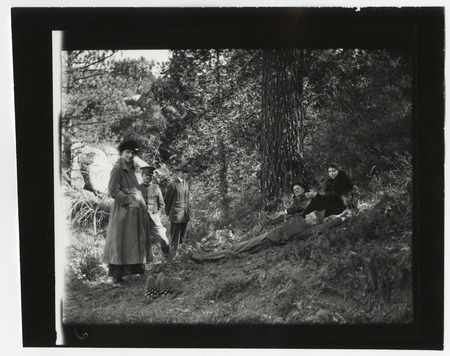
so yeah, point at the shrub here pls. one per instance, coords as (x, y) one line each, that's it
(369, 258)
(395, 182)
(88, 210)
(212, 226)
(84, 257)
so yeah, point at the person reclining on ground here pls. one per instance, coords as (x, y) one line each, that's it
(294, 228)
(299, 204)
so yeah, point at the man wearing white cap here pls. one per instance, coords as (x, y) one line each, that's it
(155, 206)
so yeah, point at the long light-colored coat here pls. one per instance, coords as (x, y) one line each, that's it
(129, 221)
(176, 200)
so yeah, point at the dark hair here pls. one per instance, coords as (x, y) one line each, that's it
(335, 166)
(128, 145)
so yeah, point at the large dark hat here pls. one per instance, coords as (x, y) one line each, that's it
(129, 145)
(183, 168)
(148, 169)
(304, 185)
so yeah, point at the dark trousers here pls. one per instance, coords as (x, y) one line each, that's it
(177, 234)
(331, 208)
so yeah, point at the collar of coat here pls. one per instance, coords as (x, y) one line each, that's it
(125, 165)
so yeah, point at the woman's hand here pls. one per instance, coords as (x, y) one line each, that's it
(310, 195)
(346, 212)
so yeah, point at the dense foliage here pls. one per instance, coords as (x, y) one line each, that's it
(206, 108)
(105, 100)
(359, 110)
(211, 99)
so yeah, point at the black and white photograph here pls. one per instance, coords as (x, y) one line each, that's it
(243, 178)
(295, 189)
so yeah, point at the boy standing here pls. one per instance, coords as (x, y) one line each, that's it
(155, 207)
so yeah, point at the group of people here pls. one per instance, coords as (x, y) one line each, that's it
(331, 207)
(135, 215)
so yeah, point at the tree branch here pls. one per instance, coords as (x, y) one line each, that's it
(98, 61)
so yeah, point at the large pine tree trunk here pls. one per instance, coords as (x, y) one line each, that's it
(282, 118)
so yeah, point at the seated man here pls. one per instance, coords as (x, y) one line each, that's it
(299, 204)
(295, 227)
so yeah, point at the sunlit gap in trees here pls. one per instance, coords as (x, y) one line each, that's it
(159, 56)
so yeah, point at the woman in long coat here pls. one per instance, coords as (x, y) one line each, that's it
(126, 249)
(337, 185)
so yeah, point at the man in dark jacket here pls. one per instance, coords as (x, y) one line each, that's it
(300, 202)
(300, 199)
(176, 201)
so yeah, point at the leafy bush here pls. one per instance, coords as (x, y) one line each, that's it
(395, 182)
(212, 226)
(88, 210)
(369, 259)
(358, 110)
(84, 258)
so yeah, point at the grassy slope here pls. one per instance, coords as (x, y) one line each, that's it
(340, 277)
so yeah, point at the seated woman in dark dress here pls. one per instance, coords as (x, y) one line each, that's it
(337, 185)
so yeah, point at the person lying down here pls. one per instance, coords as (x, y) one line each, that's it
(294, 228)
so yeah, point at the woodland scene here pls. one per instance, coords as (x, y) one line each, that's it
(248, 124)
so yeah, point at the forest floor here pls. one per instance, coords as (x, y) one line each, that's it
(331, 278)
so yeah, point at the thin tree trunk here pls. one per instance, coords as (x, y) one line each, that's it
(66, 125)
(223, 161)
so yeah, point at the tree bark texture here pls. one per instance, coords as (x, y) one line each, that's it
(282, 119)
(66, 123)
(223, 160)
